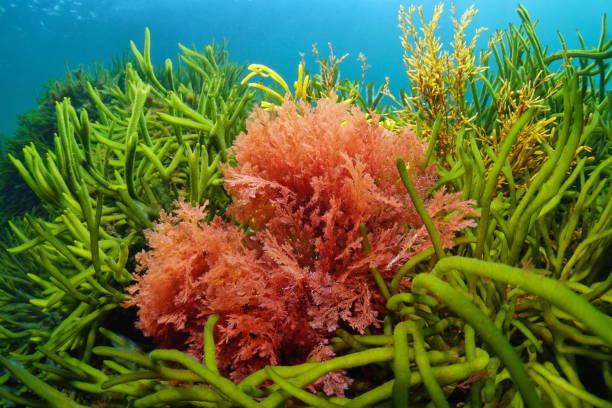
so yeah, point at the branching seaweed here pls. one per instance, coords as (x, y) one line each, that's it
(507, 317)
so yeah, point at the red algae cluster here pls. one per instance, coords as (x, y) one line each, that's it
(306, 178)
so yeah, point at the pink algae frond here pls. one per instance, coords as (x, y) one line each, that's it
(194, 269)
(306, 178)
(332, 383)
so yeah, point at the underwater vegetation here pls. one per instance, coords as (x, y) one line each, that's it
(38, 127)
(336, 245)
(306, 183)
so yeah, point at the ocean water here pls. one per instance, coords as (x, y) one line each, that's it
(40, 38)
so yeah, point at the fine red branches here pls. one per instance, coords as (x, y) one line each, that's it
(306, 178)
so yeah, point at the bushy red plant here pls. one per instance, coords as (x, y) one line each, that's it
(306, 178)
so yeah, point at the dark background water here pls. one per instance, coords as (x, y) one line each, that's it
(40, 38)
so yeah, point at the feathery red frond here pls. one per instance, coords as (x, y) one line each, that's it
(306, 178)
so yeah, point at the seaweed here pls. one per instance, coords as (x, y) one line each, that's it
(505, 316)
(37, 128)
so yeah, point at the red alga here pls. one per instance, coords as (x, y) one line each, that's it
(306, 178)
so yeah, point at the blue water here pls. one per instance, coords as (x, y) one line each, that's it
(39, 38)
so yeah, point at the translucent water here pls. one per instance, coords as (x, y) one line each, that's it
(40, 38)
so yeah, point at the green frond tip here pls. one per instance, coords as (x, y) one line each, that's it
(420, 207)
(494, 338)
(55, 398)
